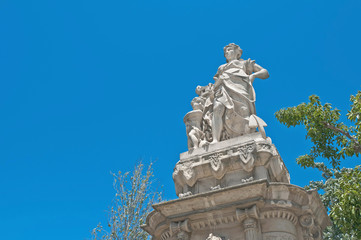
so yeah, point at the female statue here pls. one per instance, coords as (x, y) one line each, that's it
(234, 97)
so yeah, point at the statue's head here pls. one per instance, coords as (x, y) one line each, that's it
(200, 90)
(232, 52)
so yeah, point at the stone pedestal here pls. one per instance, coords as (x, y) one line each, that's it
(237, 190)
(227, 163)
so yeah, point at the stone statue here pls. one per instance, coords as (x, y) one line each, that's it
(193, 119)
(234, 96)
(226, 109)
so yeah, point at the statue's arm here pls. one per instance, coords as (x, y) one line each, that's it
(259, 72)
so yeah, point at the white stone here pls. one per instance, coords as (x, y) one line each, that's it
(247, 211)
(228, 105)
(232, 183)
(238, 160)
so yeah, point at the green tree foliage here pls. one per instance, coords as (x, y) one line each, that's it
(133, 201)
(332, 140)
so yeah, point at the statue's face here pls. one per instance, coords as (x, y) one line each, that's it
(199, 90)
(230, 54)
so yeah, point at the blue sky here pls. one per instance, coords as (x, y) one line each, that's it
(90, 87)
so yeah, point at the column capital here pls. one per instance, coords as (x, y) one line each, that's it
(245, 213)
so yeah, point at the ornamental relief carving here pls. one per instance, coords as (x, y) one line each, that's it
(165, 235)
(246, 156)
(310, 230)
(215, 161)
(264, 146)
(280, 214)
(205, 223)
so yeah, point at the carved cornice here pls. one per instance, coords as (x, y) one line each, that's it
(280, 214)
(232, 205)
(206, 223)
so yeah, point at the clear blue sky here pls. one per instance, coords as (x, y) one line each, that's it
(88, 87)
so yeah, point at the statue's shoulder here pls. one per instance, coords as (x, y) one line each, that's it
(220, 68)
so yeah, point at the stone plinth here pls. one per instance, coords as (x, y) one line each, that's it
(249, 211)
(228, 163)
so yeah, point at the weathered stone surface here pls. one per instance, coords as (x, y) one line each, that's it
(245, 211)
(231, 162)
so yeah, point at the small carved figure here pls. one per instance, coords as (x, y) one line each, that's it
(194, 119)
(212, 237)
(196, 136)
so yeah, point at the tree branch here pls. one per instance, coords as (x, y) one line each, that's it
(348, 135)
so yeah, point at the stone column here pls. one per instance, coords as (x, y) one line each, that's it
(249, 218)
(279, 224)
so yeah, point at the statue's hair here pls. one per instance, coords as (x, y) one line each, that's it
(236, 48)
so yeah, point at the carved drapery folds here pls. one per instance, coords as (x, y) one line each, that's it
(226, 109)
(249, 219)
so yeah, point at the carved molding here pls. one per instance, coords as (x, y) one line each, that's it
(246, 153)
(213, 222)
(246, 156)
(306, 220)
(280, 214)
(278, 236)
(242, 156)
(165, 235)
(215, 161)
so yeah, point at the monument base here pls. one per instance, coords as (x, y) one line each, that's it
(249, 211)
(228, 163)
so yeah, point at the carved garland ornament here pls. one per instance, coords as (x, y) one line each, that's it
(215, 161)
(246, 156)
